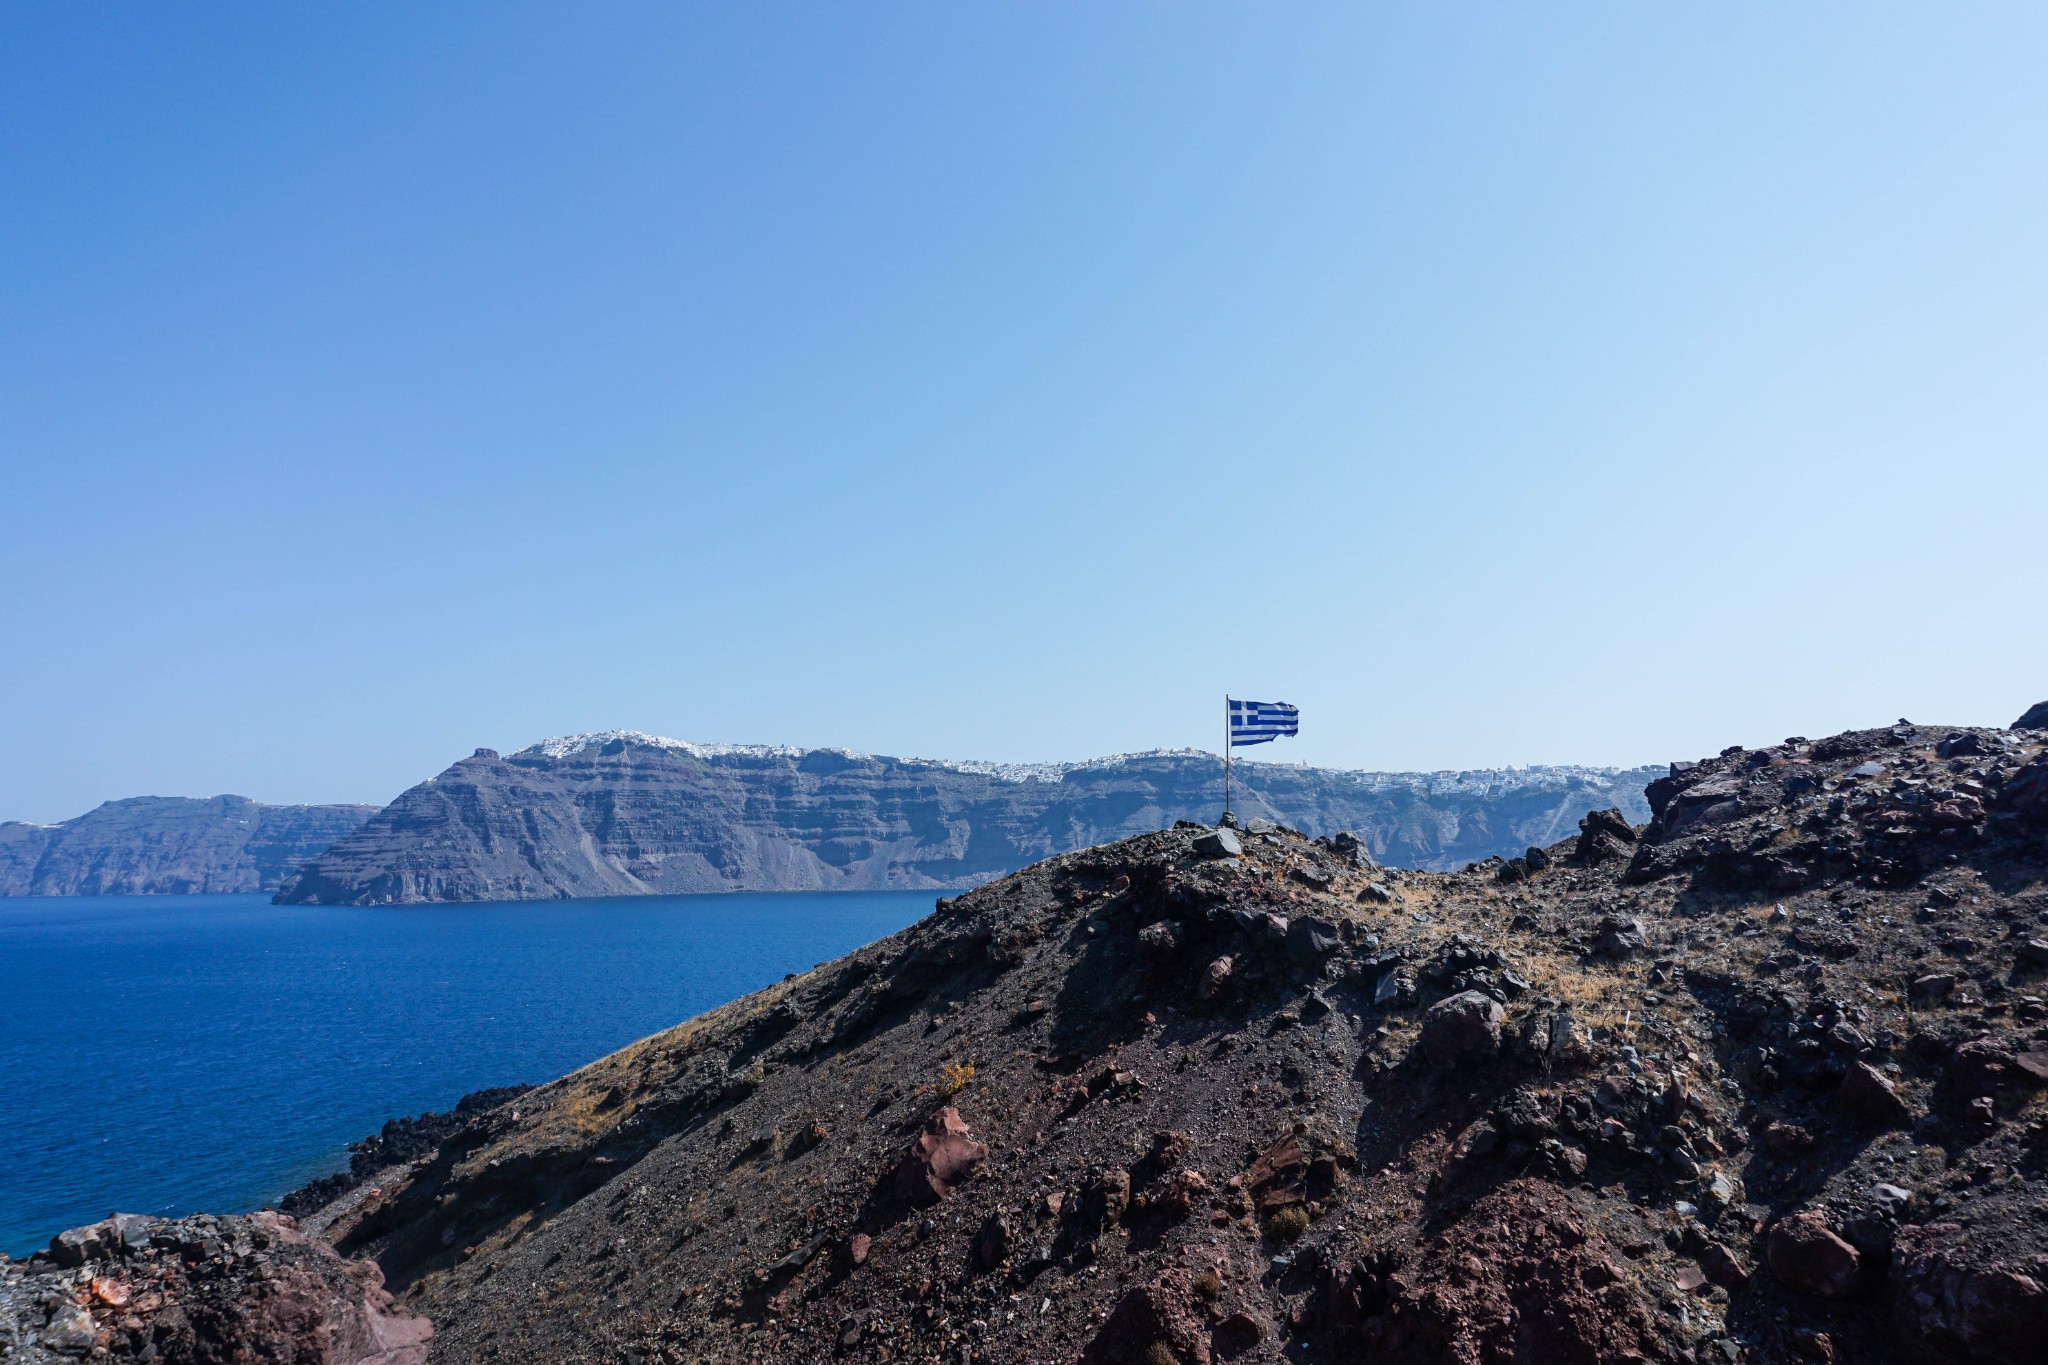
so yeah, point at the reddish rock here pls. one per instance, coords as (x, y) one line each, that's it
(1240, 1332)
(1963, 1301)
(1105, 1195)
(1809, 1258)
(249, 1288)
(1724, 1267)
(857, 1248)
(1184, 1190)
(1216, 978)
(1163, 1313)
(944, 1154)
(1279, 1176)
(1518, 1278)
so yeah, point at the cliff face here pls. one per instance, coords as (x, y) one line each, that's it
(157, 845)
(623, 814)
(1759, 1081)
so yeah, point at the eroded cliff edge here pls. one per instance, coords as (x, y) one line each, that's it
(170, 845)
(628, 814)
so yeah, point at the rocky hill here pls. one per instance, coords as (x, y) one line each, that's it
(1760, 1080)
(625, 813)
(159, 845)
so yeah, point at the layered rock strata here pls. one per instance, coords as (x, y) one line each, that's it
(629, 814)
(169, 845)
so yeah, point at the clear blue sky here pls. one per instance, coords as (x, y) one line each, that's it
(1500, 383)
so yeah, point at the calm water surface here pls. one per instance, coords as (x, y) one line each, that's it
(176, 1053)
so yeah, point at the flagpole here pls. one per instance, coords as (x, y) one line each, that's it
(1226, 758)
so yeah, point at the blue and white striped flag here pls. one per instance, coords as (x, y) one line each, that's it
(1262, 722)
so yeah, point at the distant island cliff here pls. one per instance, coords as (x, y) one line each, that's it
(623, 813)
(168, 845)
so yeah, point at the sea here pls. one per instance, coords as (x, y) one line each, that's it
(172, 1054)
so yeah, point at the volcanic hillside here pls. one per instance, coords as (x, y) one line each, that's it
(1759, 1081)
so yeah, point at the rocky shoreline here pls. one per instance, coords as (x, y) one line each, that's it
(399, 1142)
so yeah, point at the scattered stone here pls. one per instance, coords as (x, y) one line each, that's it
(1219, 843)
(1808, 1258)
(943, 1155)
(1239, 1332)
(1957, 1301)
(1892, 1200)
(1870, 1095)
(1462, 1030)
(992, 1243)
(1603, 834)
(1160, 942)
(1980, 1067)
(1932, 988)
(1314, 876)
(1619, 936)
(1157, 1321)
(1216, 978)
(1279, 1177)
(1724, 1267)
(1310, 939)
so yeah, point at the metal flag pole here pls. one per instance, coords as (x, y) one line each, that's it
(1226, 758)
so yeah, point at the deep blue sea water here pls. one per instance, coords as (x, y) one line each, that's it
(168, 1054)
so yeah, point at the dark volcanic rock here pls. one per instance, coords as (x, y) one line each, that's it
(1807, 1256)
(398, 1142)
(2036, 717)
(169, 845)
(622, 814)
(1870, 1095)
(1960, 1303)
(1462, 1030)
(202, 1291)
(1688, 1153)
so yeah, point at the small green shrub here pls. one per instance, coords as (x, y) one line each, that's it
(1284, 1225)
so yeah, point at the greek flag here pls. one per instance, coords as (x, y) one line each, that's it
(1262, 722)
